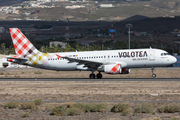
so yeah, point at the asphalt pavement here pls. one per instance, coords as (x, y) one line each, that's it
(87, 79)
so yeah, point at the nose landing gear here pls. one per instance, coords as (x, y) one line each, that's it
(153, 74)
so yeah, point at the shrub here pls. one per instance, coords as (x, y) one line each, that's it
(156, 119)
(101, 107)
(74, 111)
(126, 112)
(161, 109)
(154, 112)
(37, 102)
(59, 111)
(16, 76)
(47, 108)
(174, 118)
(11, 105)
(69, 104)
(1, 73)
(37, 72)
(119, 107)
(145, 108)
(80, 106)
(8, 74)
(172, 108)
(26, 114)
(29, 105)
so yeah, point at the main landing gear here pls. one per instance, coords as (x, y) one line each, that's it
(99, 75)
(153, 74)
(92, 75)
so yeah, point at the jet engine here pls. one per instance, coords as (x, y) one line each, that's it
(112, 69)
(115, 69)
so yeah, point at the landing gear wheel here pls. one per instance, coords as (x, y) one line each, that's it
(92, 76)
(153, 75)
(99, 76)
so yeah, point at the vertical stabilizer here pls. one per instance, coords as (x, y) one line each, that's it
(23, 47)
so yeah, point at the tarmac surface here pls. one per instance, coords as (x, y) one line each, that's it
(85, 79)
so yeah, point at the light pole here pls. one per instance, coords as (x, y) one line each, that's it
(129, 26)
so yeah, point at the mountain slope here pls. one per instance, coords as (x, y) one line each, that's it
(10, 2)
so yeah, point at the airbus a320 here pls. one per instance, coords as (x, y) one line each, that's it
(107, 61)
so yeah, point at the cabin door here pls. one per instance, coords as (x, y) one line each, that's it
(151, 55)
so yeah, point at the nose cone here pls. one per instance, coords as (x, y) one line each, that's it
(173, 60)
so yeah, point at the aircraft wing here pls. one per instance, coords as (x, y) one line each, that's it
(87, 63)
(94, 64)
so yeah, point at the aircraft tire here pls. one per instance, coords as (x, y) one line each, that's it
(92, 76)
(153, 75)
(99, 76)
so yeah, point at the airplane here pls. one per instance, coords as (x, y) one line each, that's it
(107, 61)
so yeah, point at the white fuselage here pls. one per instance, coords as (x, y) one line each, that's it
(133, 58)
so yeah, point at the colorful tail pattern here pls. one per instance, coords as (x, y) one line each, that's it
(22, 45)
(25, 49)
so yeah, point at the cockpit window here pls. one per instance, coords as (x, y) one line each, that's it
(166, 53)
(163, 54)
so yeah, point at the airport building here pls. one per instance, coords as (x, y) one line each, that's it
(106, 5)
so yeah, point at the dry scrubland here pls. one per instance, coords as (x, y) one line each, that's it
(90, 91)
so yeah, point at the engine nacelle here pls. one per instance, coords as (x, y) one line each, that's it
(115, 69)
(112, 69)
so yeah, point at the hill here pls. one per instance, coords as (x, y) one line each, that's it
(10, 2)
(92, 12)
(121, 10)
(166, 4)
